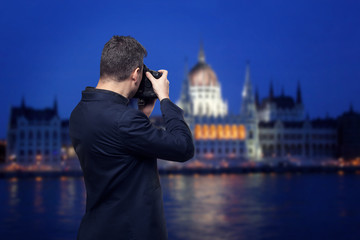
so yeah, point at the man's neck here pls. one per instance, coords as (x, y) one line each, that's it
(115, 86)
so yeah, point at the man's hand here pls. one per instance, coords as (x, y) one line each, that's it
(161, 85)
(148, 107)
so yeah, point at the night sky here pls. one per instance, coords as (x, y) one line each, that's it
(52, 48)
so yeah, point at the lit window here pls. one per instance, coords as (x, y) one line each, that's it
(242, 132)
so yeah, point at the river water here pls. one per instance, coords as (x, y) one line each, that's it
(227, 206)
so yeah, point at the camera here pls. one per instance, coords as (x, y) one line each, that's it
(146, 91)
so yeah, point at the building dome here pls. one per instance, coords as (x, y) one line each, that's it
(202, 75)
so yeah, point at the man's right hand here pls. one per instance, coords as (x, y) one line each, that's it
(161, 85)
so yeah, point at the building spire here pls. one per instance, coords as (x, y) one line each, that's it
(248, 106)
(185, 98)
(351, 109)
(247, 86)
(23, 106)
(55, 106)
(298, 94)
(247, 73)
(271, 90)
(201, 57)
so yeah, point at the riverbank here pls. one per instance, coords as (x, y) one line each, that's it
(191, 171)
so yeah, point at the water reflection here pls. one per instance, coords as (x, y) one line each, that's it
(67, 196)
(13, 189)
(13, 201)
(253, 206)
(210, 205)
(38, 196)
(259, 206)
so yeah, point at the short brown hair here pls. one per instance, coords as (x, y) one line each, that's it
(120, 56)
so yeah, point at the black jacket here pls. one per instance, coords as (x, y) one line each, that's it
(118, 149)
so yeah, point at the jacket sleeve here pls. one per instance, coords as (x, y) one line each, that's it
(141, 137)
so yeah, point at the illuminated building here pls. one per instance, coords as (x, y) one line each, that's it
(218, 135)
(33, 136)
(275, 127)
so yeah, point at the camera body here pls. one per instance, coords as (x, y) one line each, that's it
(146, 91)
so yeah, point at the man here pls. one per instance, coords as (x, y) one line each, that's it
(118, 147)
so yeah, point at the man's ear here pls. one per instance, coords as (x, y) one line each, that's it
(135, 75)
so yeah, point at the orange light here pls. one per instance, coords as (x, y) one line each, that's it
(38, 179)
(224, 164)
(212, 131)
(234, 132)
(198, 134)
(13, 179)
(205, 131)
(220, 132)
(242, 132)
(38, 157)
(227, 131)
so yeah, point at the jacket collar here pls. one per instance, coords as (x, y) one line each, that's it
(94, 94)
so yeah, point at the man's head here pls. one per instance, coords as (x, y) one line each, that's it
(122, 59)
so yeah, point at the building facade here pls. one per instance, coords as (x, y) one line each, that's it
(220, 137)
(34, 136)
(273, 128)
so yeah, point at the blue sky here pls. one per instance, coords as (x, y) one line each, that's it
(53, 48)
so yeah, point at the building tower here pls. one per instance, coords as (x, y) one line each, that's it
(248, 105)
(55, 106)
(249, 115)
(185, 101)
(298, 94)
(257, 101)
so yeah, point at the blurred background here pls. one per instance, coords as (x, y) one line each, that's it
(303, 56)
